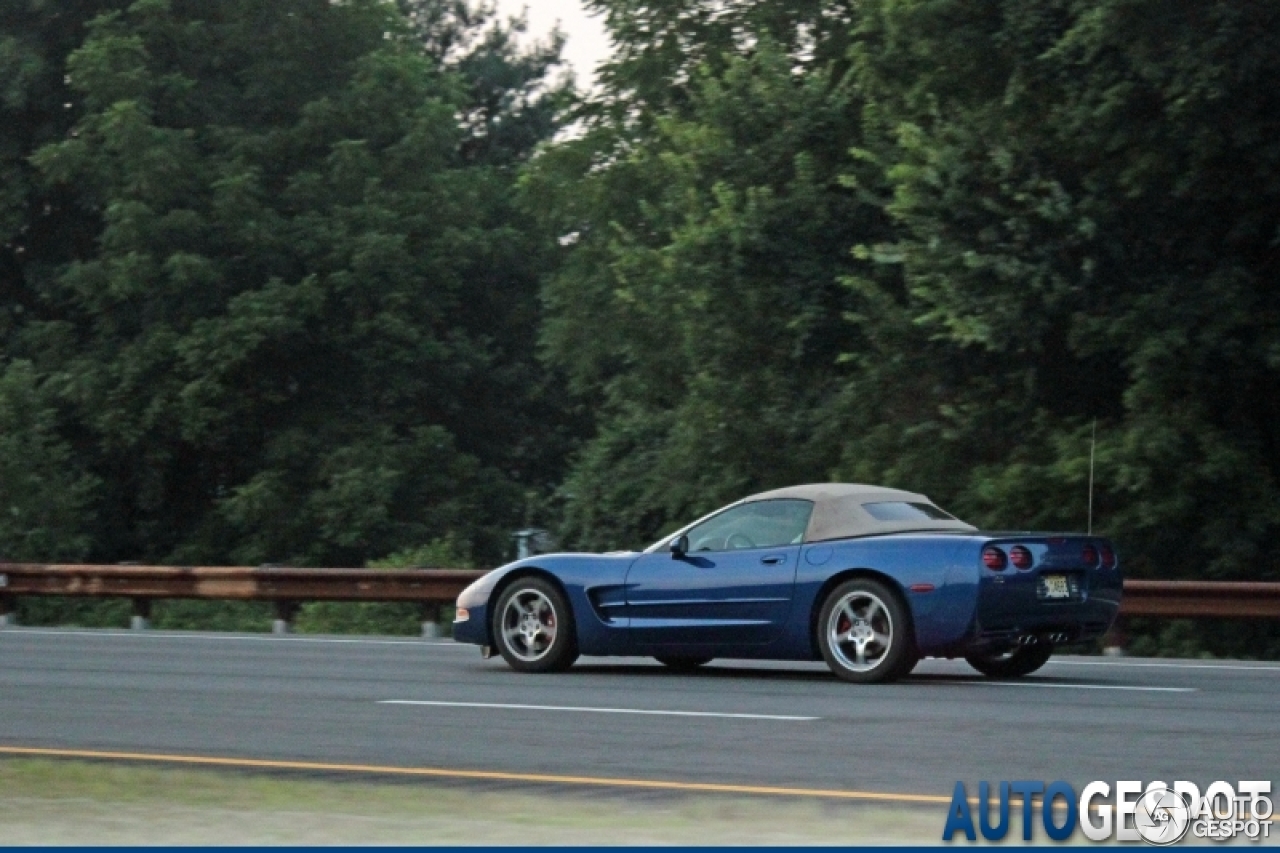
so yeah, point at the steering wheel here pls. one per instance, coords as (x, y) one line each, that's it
(739, 540)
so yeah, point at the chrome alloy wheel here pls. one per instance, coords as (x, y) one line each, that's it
(529, 625)
(860, 631)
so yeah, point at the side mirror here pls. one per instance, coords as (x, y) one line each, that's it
(679, 547)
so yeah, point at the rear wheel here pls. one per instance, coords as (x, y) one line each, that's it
(681, 663)
(533, 627)
(864, 633)
(1013, 663)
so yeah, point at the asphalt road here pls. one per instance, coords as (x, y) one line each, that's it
(757, 724)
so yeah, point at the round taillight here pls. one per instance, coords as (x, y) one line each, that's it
(1108, 557)
(993, 559)
(1020, 557)
(1089, 556)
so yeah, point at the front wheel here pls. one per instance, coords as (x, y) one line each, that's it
(864, 633)
(681, 663)
(1014, 663)
(533, 627)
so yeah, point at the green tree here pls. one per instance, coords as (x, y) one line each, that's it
(45, 480)
(302, 330)
(45, 503)
(40, 226)
(705, 230)
(1086, 195)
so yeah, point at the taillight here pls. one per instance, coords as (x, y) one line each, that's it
(993, 559)
(1108, 557)
(1020, 557)
(1089, 556)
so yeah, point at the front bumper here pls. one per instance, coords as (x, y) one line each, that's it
(474, 629)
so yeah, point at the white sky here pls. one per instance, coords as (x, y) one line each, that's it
(587, 44)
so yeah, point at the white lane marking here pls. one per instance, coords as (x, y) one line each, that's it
(783, 717)
(251, 638)
(1078, 686)
(1162, 665)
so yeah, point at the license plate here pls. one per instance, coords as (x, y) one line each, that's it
(1055, 586)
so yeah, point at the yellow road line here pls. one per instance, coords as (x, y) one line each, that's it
(498, 776)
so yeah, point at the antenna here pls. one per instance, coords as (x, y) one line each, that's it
(1093, 442)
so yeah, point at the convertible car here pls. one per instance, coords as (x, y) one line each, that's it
(868, 579)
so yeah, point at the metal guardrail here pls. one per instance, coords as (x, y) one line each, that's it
(1201, 599)
(431, 588)
(286, 587)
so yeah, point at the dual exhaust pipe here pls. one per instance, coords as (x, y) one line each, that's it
(1032, 639)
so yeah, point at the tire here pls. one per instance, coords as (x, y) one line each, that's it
(533, 627)
(1015, 663)
(681, 663)
(865, 634)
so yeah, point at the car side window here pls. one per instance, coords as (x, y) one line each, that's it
(760, 524)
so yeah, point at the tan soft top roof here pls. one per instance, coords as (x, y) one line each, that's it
(838, 510)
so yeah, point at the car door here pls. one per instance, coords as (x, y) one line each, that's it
(734, 585)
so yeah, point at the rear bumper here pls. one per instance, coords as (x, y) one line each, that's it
(1012, 610)
(1031, 631)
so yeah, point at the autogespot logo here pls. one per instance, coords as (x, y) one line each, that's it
(1162, 816)
(1158, 814)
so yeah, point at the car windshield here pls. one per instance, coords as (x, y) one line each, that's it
(760, 524)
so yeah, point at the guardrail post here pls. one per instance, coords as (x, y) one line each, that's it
(8, 608)
(141, 619)
(285, 611)
(430, 615)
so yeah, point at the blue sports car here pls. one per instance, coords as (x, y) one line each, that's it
(868, 579)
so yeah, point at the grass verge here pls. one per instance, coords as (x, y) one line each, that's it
(81, 802)
(45, 801)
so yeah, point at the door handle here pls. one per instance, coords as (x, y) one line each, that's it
(774, 560)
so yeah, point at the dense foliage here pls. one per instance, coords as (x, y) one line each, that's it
(1088, 200)
(301, 281)
(268, 296)
(934, 245)
(708, 234)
